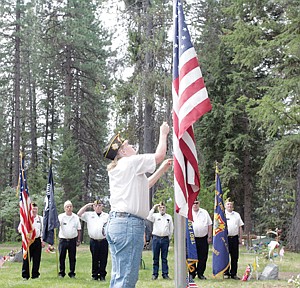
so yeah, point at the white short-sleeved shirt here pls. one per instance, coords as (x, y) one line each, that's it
(68, 226)
(95, 223)
(38, 226)
(129, 186)
(162, 224)
(201, 222)
(234, 222)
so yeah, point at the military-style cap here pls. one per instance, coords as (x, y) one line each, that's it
(229, 200)
(111, 150)
(97, 202)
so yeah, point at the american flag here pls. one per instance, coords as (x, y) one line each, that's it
(190, 102)
(190, 282)
(26, 219)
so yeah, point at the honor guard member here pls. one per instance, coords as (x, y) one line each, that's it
(202, 227)
(161, 236)
(35, 249)
(69, 235)
(96, 220)
(235, 233)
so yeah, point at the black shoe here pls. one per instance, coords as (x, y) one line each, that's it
(102, 278)
(72, 276)
(95, 278)
(235, 277)
(226, 275)
(154, 277)
(166, 277)
(202, 277)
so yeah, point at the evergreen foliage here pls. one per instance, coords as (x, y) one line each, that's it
(62, 96)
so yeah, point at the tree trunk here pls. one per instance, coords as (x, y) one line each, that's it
(32, 107)
(293, 236)
(17, 96)
(149, 90)
(247, 193)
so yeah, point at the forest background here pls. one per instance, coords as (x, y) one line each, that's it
(63, 93)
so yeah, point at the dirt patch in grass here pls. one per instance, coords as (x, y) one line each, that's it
(286, 275)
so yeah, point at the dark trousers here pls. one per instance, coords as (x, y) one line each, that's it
(233, 245)
(202, 252)
(67, 245)
(160, 245)
(99, 250)
(35, 252)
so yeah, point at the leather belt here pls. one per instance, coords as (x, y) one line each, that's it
(161, 237)
(98, 240)
(123, 215)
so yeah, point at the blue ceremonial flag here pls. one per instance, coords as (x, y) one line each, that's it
(50, 212)
(191, 250)
(220, 259)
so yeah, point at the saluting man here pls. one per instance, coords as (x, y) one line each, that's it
(162, 233)
(96, 221)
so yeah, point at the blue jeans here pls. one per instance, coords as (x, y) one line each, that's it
(125, 236)
(160, 245)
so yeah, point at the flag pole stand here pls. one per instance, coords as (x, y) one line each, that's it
(179, 251)
(56, 250)
(28, 259)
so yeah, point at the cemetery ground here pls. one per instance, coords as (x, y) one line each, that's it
(10, 273)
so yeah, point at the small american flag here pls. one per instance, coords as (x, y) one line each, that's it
(190, 282)
(190, 102)
(26, 219)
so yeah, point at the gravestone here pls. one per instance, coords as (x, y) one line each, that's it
(270, 272)
(18, 257)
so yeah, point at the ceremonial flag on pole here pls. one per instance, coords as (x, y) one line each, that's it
(190, 102)
(50, 212)
(191, 250)
(26, 218)
(220, 259)
(191, 253)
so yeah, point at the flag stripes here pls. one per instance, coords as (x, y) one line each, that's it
(26, 218)
(190, 102)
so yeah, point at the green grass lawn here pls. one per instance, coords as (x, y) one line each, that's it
(10, 273)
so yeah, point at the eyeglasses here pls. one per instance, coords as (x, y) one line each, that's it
(196, 202)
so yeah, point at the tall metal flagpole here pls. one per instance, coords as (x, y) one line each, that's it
(179, 251)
